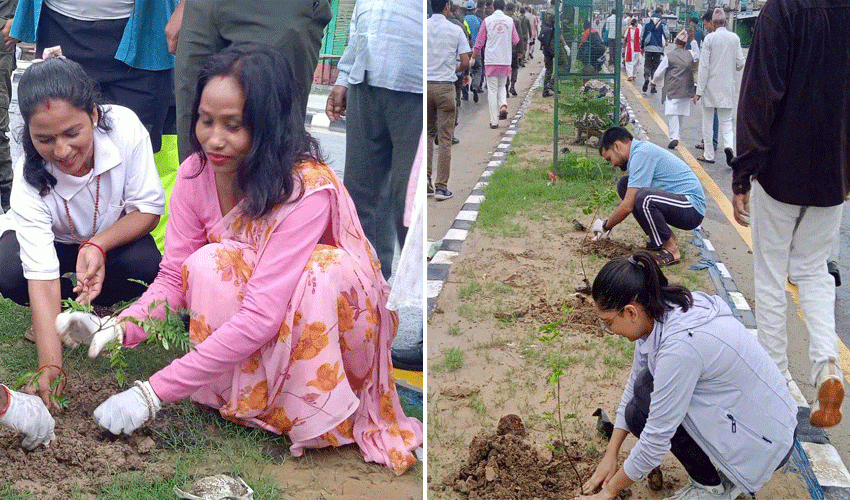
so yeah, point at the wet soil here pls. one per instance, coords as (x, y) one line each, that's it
(608, 249)
(83, 456)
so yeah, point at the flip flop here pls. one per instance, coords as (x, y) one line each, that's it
(665, 258)
(702, 159)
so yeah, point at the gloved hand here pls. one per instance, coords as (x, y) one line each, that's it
(127, 411)
(597, 230)
(75, 328)
(27, 414)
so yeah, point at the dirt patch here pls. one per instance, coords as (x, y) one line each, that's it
(608, 249)
(577, 313)
(83, 456)
(507, 465)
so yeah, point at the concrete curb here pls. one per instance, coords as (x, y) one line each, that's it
(316, 118)
(814, 457)
(452, 243)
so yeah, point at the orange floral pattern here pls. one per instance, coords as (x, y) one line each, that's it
(327, 377)
(324, 377)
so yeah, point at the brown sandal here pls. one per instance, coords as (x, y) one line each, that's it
(665, 258)
(702, 159)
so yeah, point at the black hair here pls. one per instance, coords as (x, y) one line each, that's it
(480, 4)
(499, 4)
(612, 135)
(587, 25)
(613, 11)
(695, 20)
(438, 5)
(633, 22)
(707, 16)
(638, 279)
(510, 7)
(522, 10)
(271, 114)
(61, 79)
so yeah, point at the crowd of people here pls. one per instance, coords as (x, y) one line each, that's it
(281, 270)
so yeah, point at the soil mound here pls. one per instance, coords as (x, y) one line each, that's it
(83, 456)
(506, 465)
(577, 313)
(608, 249)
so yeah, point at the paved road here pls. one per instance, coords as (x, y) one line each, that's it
(736, 254)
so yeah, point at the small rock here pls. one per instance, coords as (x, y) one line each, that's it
(490, 473)
(146, 445)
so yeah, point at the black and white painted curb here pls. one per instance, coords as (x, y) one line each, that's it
(814, 457)
(452, 243)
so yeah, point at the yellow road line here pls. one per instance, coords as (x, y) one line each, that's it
(726, 207)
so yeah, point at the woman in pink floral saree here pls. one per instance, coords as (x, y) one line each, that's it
(289, 326)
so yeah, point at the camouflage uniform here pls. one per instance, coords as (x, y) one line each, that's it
(516, 52)
(549, 51)
(7, 66)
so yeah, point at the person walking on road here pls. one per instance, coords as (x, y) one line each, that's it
(473, 24)
(447, 43)
(793, 163)
(631, 42)
(699, 34)
(709, 28)
(661, 190)
(532, 22)
(7, 66)
(517, 52)
(700, 386)
(611, 38)
(497, 35)
(654, 39)
(720, 57)
(526, 34)
(380, 88)
(677, 73)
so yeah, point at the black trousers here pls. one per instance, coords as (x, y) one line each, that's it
(655, 209)
(682, 445)
(93, 44)
(137, 260)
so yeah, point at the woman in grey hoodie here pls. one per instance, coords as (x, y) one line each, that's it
(701, 386)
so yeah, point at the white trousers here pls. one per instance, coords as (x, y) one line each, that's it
(631, 67)
(673, 122)
(497, 96)
(794, 241)
(724, 139)
(834, 254)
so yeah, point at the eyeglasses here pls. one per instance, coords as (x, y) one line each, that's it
(606, 323)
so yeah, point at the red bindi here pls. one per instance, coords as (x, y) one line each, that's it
(47, 104)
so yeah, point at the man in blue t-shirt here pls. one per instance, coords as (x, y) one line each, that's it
(661, 190)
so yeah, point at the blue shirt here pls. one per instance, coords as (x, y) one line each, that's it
(473, 23)
(653, 166)
(143, 44)
(384, 46)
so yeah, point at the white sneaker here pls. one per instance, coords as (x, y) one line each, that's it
(696, 491)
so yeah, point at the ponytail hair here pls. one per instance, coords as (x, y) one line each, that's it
(638, 279)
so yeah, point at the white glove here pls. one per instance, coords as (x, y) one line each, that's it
(127, 411)
(27, 414)
(597, 230)
(75, 328)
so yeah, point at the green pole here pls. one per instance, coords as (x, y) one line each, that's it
(617, 65)
(557, 84)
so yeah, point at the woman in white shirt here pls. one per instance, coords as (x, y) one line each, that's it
(85, 197)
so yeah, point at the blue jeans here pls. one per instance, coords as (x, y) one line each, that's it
(716, 127)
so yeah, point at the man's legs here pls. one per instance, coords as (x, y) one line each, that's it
(655, 209)
(431, 130)
(726, 132)
(548, 63)
(444, 104)
(673, 125)
(510, 86)
(707, 115)
(493, 86)
(777, 227)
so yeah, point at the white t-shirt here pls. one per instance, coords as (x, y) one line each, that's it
(611, 26)
(446, 41)
(92, 10)
(129, 182)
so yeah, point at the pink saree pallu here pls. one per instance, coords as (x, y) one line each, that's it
(326, 376)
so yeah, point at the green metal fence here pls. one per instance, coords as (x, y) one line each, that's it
(578, 39)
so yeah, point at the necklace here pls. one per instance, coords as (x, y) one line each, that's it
(94, 221)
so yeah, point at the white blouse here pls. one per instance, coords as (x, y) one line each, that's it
(129, 182)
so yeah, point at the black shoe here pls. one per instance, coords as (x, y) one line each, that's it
(645, 85)
(700, 146)
(673, 144)
(455, 141)
(513, 91)
(436, 140)
(474, 96)
(547, 93)
(729, 156)
(653, 90)
(494, 126)
(832, 268)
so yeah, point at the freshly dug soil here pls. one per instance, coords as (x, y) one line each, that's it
(83, 455)
(505, 465)
(577, 312)
(608, 249)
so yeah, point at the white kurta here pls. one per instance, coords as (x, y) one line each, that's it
(720, 57)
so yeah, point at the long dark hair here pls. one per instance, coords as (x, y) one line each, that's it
(638, 279)
(273, 117)
(62, 79)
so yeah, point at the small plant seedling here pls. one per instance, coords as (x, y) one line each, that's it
(31, 379)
